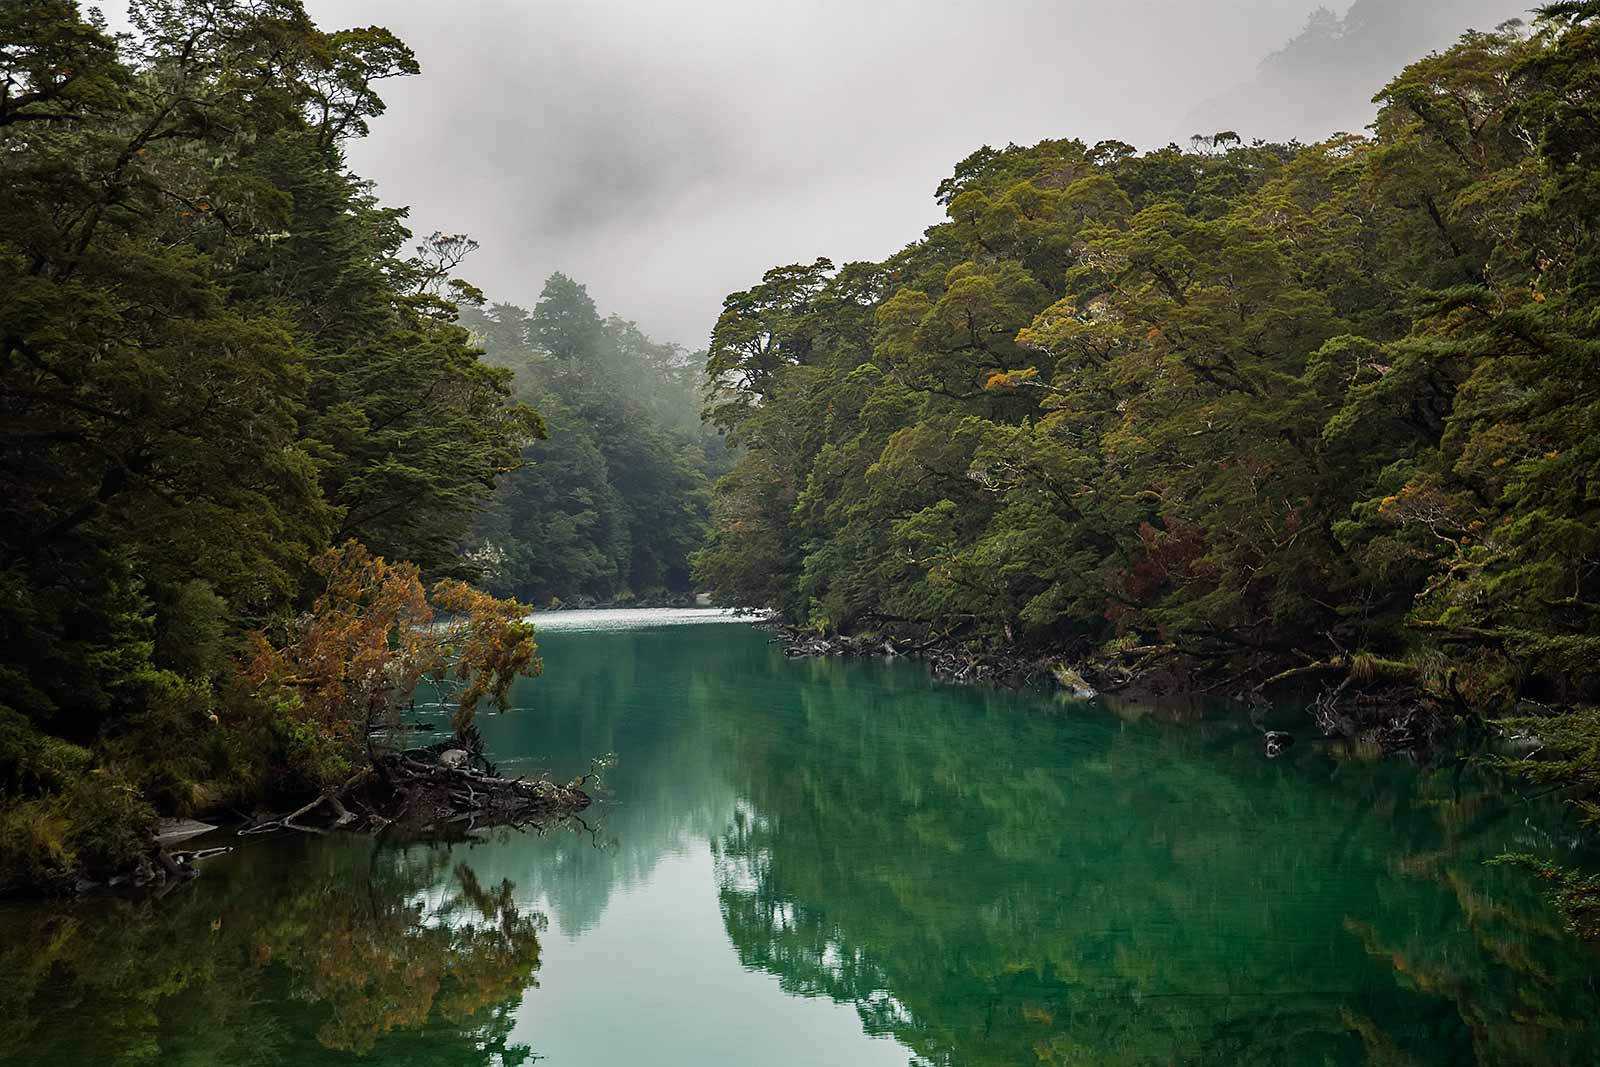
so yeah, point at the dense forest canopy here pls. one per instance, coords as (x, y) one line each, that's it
(220, 357)
(1266, 407)
(612, 504)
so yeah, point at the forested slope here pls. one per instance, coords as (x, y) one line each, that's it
(224, 370)
(1326, 408)
(610, 506)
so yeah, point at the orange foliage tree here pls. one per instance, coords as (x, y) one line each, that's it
(352, 662)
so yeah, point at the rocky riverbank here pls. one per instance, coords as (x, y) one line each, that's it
(1355, 699)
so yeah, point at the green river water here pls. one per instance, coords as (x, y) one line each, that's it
(846, 863)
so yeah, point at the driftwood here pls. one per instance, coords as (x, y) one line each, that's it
(947, 656)
(160, 868)
(170, 832)
(334, 798)
(418, 791)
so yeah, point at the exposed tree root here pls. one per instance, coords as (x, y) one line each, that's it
(436, 790)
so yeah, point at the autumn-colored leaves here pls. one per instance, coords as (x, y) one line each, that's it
(352, 662)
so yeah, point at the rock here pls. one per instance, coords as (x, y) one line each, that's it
(1277, 741)
(454, 757)
(1073, 682)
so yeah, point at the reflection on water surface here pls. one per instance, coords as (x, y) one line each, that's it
(823, 862)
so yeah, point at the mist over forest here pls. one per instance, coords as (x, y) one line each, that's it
(1322, 80)
(636, 146)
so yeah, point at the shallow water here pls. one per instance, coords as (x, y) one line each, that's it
(845, 863)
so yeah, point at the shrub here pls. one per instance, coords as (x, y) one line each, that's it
(97, 826)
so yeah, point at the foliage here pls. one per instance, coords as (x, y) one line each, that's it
(95, 823)
(1575, 893)
(486, 644)
(351, 663)
(1262, 404)
(1259, 402)
(217, 358)
(613, 503)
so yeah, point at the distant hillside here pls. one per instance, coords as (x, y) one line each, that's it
(1324, 79)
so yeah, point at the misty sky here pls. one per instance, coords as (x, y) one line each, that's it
(667, 152)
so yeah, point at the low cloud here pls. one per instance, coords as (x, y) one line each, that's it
(666, 152)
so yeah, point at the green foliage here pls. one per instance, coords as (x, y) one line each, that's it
(611, 504)
(32, 761)
(1265, 404)
(1576, 894)
(98, 824)
(216, 356)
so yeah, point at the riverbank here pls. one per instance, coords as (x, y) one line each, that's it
(443, 792)
(1358, 698)
(583, 602)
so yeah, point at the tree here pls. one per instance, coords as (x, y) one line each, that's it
(351, 664)
(760, 331)
(614, 502)
(215, 361)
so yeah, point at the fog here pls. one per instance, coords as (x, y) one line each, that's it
(666, 152)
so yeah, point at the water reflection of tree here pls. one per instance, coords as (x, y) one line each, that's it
(340, 951)
(991, 888)
(405, 949)
(647, 696)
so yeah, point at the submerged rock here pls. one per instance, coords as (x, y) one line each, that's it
(1073, 682)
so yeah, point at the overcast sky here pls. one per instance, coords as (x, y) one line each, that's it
(667, 152)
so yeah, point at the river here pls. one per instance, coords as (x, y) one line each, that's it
(847, 863)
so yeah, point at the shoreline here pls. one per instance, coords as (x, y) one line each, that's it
(1367, 707)
(440, 793)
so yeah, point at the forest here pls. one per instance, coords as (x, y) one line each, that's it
(1294, 413)
(610, 506)
(250, 439)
